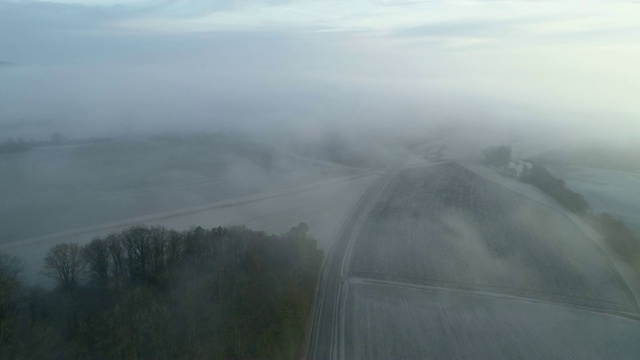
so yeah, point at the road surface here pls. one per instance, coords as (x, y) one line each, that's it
(323, 344)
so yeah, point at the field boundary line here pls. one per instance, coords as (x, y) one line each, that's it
(485, 294)
(177, 213)
(496, 289)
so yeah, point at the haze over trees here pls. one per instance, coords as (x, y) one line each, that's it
(498, 156)
(10, 288)
(615, 232)
(624, 241)
(11, 146)
(64, 262)
(151, 292)
(541, 178)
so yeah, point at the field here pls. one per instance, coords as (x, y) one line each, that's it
(55, 189)
(58, 196)
(445, 226)
(386, 322)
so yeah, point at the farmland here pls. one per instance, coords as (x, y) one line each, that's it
(59, 196)
(446, 226)
(401, 323)
(448, 260)
(78, 186)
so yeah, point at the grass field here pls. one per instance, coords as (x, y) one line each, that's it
(76, 193)
(54, 189)
(403, 323)
(444, 225)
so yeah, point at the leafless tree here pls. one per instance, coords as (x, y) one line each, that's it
(96, 254)
(10, 268)
(64, 262)
(116, 258)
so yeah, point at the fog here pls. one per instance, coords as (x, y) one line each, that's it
(358, 84)
(453, 167)
(118, 69)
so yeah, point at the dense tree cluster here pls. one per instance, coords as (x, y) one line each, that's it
(11, 146)
(499, 156)
(150, 292)
(616, 233)
(538, 176)
(10, 289)
(619, 236)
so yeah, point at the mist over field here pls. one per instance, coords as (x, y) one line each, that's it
(320, 176)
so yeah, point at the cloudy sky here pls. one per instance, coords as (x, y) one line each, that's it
(141, 64)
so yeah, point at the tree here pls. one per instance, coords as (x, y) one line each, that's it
(621, 239)
(116, 259)
(498, 155)
(9, 288)
(541, 178)
(58, 139)
(96, 254)
(64, 263)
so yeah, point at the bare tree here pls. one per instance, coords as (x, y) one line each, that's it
(159, 242)
(64, 262)
(96, 253)
(135, 242)
(10, 268)
(116, 258)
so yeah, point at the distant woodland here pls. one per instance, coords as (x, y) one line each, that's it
(151, 292)
(11, 145)
(616, 233)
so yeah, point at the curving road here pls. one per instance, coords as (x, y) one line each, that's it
(325, 334)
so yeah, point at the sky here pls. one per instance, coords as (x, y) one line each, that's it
(103, 66)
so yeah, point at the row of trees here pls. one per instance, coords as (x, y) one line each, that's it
(10, 146)
(151, 292)
(616, 233)
(538, 176)
(619, 236)
(498, 156)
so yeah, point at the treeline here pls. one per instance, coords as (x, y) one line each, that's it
(261, 154)
(150, 292)
(538, 176)
(11, 145)
(498, 156)
(616, 233)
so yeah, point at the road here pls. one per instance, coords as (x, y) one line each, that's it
(325, 340)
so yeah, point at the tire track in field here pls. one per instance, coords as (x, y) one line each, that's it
(489, 294)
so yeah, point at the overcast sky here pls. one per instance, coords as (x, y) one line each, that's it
(142, 64)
